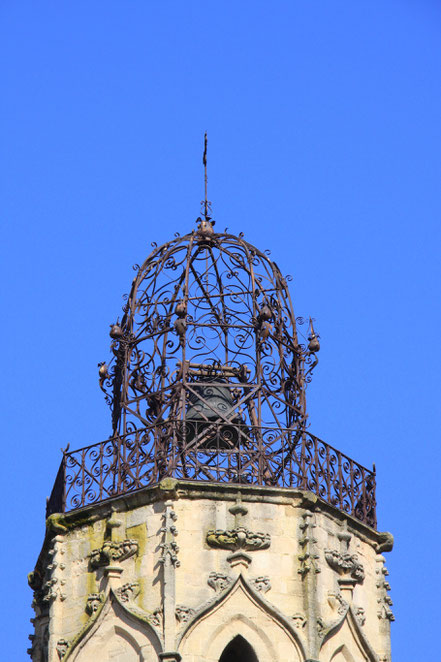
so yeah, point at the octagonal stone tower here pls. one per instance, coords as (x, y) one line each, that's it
(211, 525)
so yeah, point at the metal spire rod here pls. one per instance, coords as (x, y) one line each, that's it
(204, 161)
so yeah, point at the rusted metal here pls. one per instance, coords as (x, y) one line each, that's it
(257, 456)
(208, 299)
(207, 382)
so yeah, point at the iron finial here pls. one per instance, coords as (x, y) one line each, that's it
(314, 344)
(205, 224)
(204, 161)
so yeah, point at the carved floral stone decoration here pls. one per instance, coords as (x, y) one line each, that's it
(299, 621)
(128, 592)
(62, 647)
(94, 601)
(308, 556)
(342, 561)
(345, 564)
(157, 618)
(111, 552)
(384, 600)
(218, 581)
(184, 614)
(169, 547)
(239, 538)
(337, 602)
(261, 584)
(360, 615)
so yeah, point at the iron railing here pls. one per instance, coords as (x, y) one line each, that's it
(198, 451)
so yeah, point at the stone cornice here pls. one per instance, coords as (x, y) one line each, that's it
(180, 489)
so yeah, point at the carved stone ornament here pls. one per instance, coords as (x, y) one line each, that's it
(337, 602)
(383, 586)
(345, 563)
(237, 539)
(299, 621)
(94, 601)
(261, 584)
(112, 552)
(308, 556)
(128, 592)
(169, 547)
(360, 616)
(218, 581)
(321, 628)
(157, 618)
(184, 614)
(62, 646)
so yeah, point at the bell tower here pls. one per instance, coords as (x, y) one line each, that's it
(211, 525)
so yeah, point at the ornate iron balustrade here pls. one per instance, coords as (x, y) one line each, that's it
(201, 451)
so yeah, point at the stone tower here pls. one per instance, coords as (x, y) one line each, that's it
(211, 525)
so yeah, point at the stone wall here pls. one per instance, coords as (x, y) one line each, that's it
(182, 569)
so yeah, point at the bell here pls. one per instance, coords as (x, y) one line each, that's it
(218, 406)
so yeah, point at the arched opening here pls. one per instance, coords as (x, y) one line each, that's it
(238, 650)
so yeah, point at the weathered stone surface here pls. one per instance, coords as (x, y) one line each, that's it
(153, 577)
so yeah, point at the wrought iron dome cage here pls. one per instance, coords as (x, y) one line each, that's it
(208, 353)
(209, 333)
(207, 382)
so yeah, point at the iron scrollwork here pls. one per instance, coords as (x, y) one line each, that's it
(207, 382)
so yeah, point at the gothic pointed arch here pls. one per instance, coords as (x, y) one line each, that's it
(346, 642)
(240, 611)
(115, 630)
(342, 654)
(238, 650)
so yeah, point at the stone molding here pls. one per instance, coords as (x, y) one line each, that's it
(68, 647)
(257, 597)
(328, 630)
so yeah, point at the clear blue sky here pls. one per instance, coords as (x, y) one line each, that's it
(324, 146)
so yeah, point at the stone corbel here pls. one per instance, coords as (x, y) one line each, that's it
(113, 552)
(345, 564)
(238, 539)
